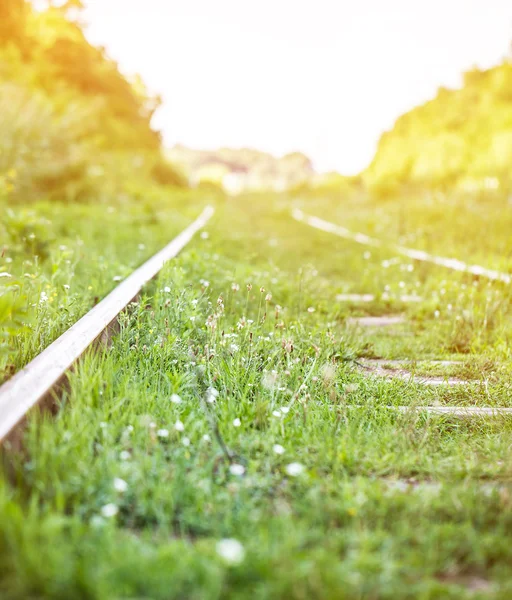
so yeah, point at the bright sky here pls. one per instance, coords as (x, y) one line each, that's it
(325, 77)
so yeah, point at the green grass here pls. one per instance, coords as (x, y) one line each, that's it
(62, 260)
(383, 505)
(474, 227)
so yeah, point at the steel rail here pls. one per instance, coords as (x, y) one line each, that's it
(38, 380)
(421, 255)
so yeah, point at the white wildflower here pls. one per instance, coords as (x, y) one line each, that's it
(231, 551)
(236, 469)
(179, 426)
(125, 455)
(294, 469)
(175, 399)
(120, 485)
(211, 395)
(109, 510)
(163, 433)
(278, 449)
(237, 422)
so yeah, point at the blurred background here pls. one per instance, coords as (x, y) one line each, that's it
(253, 95)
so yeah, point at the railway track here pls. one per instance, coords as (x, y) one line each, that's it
(466, 412)
(35, 384)
(419, 255)
(219, 422)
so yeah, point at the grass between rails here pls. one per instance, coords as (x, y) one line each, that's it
(127, 492)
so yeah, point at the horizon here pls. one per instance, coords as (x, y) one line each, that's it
(265, 78)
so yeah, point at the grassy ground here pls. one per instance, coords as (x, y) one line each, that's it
(227, 445)
(472, 227)
(56, 262)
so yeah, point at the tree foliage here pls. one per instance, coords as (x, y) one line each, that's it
(67, 111)
(463, 138)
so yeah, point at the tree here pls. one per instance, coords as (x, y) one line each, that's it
(13, 16)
